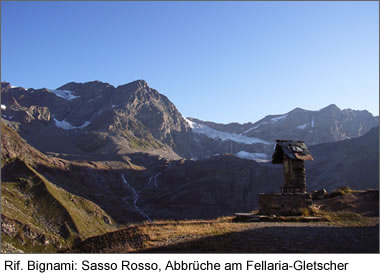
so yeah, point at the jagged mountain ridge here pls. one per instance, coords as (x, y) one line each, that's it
(128, 187)
(95, 117)
(328, 124)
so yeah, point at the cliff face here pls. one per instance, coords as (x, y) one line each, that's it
(97, 117)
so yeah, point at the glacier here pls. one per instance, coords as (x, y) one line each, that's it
(215, 134)
(67, 126)
(65, 94)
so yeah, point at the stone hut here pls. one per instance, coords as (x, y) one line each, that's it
(293, 197)
(292, 155)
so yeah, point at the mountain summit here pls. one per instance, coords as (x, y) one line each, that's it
(94, 118)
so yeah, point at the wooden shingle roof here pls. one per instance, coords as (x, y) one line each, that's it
(291, 149)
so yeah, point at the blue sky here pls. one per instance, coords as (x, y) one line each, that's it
(218, 61)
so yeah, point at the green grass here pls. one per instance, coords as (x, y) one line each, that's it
(31, 201)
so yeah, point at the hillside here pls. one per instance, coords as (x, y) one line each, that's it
(90, 158)
(37, 215)
(347, 230)
(138, 186)
(89, 119)
(222, 185)
(92, 118)
(353, 162)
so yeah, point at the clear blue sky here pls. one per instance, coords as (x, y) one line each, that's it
(218, 61)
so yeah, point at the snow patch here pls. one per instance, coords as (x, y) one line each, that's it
(67, 126)
(65, 94)
(85, 124)
(312, 121)
(272, 120)
(215, 134)
(302, 126)
(189, 122)
(276, 119)
(113, 106)
(3, 107)
(259, 157)
(252, 128)
(6, 116)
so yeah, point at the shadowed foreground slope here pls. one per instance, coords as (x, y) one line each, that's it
(224, 236)
(351, 226)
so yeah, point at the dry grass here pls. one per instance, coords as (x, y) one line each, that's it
(166, 232)
(223, 235)
(348, 218)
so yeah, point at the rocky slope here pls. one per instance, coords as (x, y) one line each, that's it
(329, 124)
(353, 162)
(38, 215)
(99, 156)
(222, 185)
(95, 117)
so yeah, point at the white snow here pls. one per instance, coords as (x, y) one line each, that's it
(189, 122)
(3, 107)
(65, 94)
(67, 126)
(252, 128)
(113, 106)
(272, 120)
(215, 134)
(302, 126)
(19, 87)
(63, 124)
(6, 116)
(260, 157)
(86, 123)
(276, 119)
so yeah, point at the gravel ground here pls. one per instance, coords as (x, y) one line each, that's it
(284, 238)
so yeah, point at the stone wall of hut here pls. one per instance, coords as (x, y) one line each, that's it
(284, 204)
(294, 175)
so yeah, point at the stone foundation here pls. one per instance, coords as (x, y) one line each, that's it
(284, 204)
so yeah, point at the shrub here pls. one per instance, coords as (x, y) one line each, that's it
(305, 212)
(341, 191)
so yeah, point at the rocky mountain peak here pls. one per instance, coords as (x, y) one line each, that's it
(133, 86)
(94, 86)
(331, 107)
(5, 85)
(140, 83)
